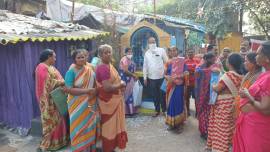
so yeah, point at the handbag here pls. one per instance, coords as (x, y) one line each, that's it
(60, 100)
(137, 93)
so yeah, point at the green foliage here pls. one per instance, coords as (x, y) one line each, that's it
(259, 13)
(218, 16)
(184, 8)
(194, 40)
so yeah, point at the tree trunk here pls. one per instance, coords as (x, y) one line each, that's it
(241, 13)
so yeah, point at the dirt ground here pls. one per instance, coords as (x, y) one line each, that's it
(146, 134)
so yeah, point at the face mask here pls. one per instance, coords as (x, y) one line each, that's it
(129, 56)
(152, 46)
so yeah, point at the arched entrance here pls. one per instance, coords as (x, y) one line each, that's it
(138, 43)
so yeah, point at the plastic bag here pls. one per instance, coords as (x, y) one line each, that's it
(137, 93)
(163, 86)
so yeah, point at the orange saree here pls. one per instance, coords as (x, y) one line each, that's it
(113, 127)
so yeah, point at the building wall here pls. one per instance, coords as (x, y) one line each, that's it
(18, 104)
(232, 40)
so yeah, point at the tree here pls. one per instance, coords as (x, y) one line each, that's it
(259, 13)
(219, 17)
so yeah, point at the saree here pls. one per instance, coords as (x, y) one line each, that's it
(221, 119)
(54, 127)
(128, 94)
(202, 91)
(83, 111)
(111, 104)
(168, 70)
(252, 131)
(176, 112)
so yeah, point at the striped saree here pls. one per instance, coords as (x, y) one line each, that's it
(83, 111)
(221, 119)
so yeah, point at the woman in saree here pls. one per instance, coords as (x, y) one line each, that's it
(111, 102)
(176, 112)
(221, 119)
(82, 105)
(254, 70)
(252, 127)
(54, 126)
(127, 69)
(202, 88)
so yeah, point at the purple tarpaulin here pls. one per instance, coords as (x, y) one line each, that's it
(18, 105)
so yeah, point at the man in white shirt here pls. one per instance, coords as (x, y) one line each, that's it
(153, 73)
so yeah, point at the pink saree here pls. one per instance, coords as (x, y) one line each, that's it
(253, 128)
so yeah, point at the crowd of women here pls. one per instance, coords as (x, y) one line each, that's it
(99, 97)
(95, 103)
(240, 115)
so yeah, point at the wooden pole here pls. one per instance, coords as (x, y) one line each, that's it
(73, 10)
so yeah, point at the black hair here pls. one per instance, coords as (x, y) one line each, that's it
(75, 53)
(45, 54)
(266, 49)
(210, 47)
(251, 57)
(235, 60)
(207, 57)
(127, 49)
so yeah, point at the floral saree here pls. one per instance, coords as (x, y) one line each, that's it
(54, 126)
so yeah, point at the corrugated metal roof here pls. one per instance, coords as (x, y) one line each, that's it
(179, 21)
(15, 28)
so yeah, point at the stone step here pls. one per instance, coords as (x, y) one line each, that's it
(36, 127)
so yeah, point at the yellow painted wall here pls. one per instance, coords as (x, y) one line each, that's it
(232, 40)
(164, 38)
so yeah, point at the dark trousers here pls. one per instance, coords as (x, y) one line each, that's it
(157, 94)
(190, 92)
